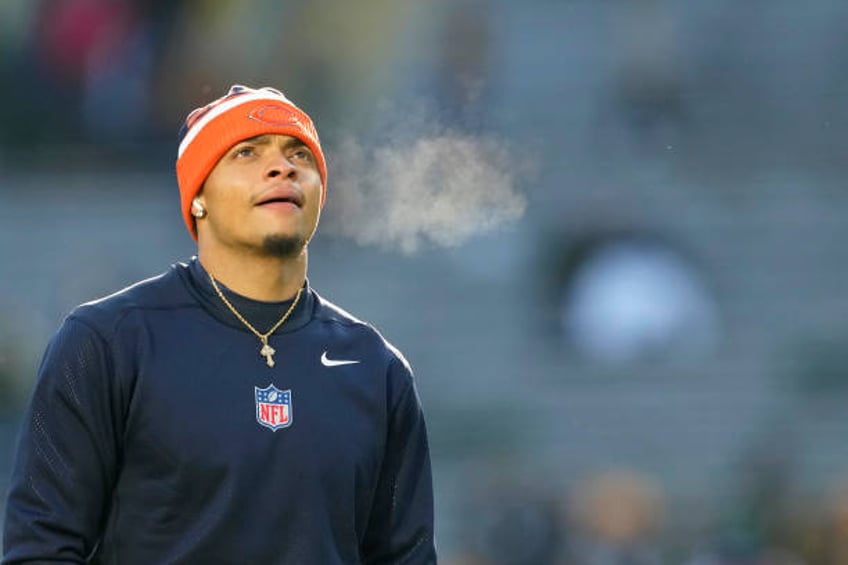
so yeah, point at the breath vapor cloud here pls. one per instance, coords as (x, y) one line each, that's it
(438, 189)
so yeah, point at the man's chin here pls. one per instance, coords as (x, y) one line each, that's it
(283, 246)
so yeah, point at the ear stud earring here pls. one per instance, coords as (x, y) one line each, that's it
(197, 209)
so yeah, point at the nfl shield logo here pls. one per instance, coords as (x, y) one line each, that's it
(273, 407)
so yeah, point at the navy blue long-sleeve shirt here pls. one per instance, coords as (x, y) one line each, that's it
(156, 433)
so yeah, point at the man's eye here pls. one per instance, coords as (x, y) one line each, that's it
(243, 152)
(302, 154)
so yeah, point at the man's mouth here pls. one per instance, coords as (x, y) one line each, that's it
(280, 197)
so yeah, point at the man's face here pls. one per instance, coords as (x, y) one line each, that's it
(263, 196)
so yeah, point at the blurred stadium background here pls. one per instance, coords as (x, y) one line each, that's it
(650, 363)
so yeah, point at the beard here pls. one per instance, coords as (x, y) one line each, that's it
(283, 247)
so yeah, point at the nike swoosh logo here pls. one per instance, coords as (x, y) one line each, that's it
(335, 362)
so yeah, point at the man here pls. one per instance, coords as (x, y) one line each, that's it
(224, 412)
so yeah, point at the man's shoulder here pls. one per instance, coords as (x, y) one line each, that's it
(162, 291)
(329, 312)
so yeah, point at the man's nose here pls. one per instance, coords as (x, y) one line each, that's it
(281, 166)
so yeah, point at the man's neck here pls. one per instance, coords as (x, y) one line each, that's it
(260, 277)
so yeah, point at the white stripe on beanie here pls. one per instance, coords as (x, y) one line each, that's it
(221, 108)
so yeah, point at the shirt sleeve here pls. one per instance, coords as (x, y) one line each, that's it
(400, 529)
(67, 453)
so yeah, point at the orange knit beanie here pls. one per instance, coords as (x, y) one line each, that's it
(209, 132)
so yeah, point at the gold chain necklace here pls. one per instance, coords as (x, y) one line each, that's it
(267, 351)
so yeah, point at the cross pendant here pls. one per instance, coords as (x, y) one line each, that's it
(267, 352)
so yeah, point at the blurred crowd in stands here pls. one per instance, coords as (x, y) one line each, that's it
(122, 73)
(621, 517)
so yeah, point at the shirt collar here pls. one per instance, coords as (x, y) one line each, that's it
(262, 315)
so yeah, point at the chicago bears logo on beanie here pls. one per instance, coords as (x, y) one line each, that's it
(209, 132)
